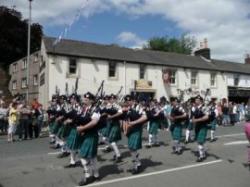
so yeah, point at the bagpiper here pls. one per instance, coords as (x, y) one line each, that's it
(200, 119)
(177, 117)
(132, 126)
(89, 130)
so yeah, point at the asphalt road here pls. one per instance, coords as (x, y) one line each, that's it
(33, 163)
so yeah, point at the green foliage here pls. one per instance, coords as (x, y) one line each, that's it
(14, 34)
(183, 45)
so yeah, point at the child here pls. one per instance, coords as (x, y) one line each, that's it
(247, 129)
(12, 121)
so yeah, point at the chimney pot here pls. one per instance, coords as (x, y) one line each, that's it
(247, 59)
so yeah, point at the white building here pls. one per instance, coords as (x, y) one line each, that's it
(144, 72)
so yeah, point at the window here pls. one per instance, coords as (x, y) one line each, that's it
(35, 80)
(24, 64)
(72, 66)
(13, 85)
(194, 78)
(213, 79)
(142, 71)
(24, 83)
(42, 79)
(112, 69)
(172, 76)
(236, 80)
(14, 68)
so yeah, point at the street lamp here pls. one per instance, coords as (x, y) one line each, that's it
(28, 54)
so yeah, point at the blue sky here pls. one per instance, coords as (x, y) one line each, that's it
(224, 23)
(105, 27)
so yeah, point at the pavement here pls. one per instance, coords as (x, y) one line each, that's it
(33, 163)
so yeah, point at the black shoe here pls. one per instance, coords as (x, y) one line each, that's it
(156, 145)
(179, 152)
(199, 159)
(186, 142)
(63, 155)
(118, 159)
(148, 146)
(86, 181)
(70, 166)
(107, 150)
(52, 142)
(55, 146)
(97, 178)
(101, 143)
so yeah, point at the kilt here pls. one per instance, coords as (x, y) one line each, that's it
(115, 132)
(164, 123)
(176, 131)
(190, 126)
(52, 126)
(89, 145)
(153, 127)
(56, 128)
(135, 140)
(212, 125)
(106, 130)
(201, 134)
(64, 131)
(74, 140)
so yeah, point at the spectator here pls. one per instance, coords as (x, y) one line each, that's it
(25, 122)
(226, 117)
(242, 111)
(3, 118)
(38, 120)
(233, 113)
(12, 121)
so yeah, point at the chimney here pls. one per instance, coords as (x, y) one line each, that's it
(247, 59)
(204, 50)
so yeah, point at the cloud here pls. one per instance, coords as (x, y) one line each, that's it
(225, 23)
(131, 39)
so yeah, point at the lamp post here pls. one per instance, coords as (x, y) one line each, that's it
(28, 54)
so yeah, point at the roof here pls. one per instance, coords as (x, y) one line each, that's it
(111, 52)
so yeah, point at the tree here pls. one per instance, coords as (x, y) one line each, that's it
(13, 36)
(183, 45)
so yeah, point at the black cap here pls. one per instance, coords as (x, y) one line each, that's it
(128, 98)
(64, 97)
(174, 99)
(106, 97)
(199, 97)
(89, 96)
(113, 96)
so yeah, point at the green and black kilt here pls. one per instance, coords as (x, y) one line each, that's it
(190, 126)
(56, 127)
(212, 125)
(106, 130)
(135, 139)
(64, 131)
(115, 132)
(176, 131)
(52, 126)
(164, 123)
(201, 133)
(74, 140)
(153, 127)
(89, 145)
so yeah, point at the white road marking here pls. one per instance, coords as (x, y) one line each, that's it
(237, 143)
(230, 135)
(155, 173)
(54, 153)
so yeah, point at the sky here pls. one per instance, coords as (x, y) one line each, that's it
(131, 23)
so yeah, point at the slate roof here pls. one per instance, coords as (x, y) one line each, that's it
(111, 52)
